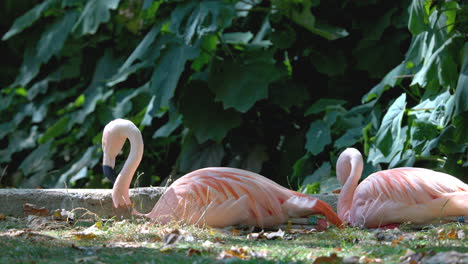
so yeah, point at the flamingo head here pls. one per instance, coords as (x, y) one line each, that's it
(113, 139)
(344, 165)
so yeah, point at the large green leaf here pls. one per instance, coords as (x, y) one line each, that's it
(196, 156)
(94, 13)
(199, 18)
(253, 161)
(349, 138)
(318, 136)
(439, 65)
(389, 131)
(304, 17)
(166, 74)
(83, 162)
(323, 104)
(28, 18)
(51, 42)
(53, 38)
(323, 172)
(461, 94)
(207, 119)
(390, 80)
(139, 53)
(96, 91)
(418, 19)
(330, 62)
(239, 84)
(436, 110)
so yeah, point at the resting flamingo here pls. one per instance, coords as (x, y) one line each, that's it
(217, 197)
(396, 196)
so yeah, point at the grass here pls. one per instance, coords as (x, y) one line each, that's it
(138, 241)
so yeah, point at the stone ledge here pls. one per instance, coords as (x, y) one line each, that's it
(98, 201)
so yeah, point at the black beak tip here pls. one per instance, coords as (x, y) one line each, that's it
(109, 173)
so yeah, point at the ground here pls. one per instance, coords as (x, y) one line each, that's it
(53, 239)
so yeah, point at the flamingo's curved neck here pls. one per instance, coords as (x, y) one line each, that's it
(345, 199)
(124, 179)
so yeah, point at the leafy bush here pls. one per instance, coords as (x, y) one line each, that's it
(275, 87)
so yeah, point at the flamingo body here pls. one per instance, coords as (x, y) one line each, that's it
(226, 196)
(398, 195)
(216, 197)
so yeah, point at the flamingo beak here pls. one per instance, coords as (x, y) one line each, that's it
(109, 173)
(108, 168)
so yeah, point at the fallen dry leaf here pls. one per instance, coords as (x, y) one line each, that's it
(63, 215)
(234, 252)
(172, 236)
(192, 251)
(266, 235)
(89, 233)
(235, 232)
(365, 259)
(30, 235)
(397, 241)
(31, 209)
(2, 217)
(332, 259)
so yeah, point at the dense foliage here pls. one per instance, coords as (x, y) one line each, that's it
(277, 87)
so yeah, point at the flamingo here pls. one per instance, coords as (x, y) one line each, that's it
(394, 196)
(217, 197)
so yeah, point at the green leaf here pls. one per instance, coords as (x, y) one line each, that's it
(28, 19)
(440, 64)
(208, 49)
(237, 37)
(94, 13)
(329, 62)
(323, 104)
(288, 94)
(318, 136)
(328, 31)
(199, 111)
(323, 172)
(421, 135)
(199, 18)
(450, 12)
(390, 129)
(37, 160)
(195, 156)
(167, 129)
(436, 110)
(53, 38)
(461, 94)
(374, 30)
(418, 19)
(105, 68)
(124, 100)
(390, 80)
(139, 53)
(60, 127)
(167, 73)
(239, 84)
(253, 161)
(349, 138)
(83, 162)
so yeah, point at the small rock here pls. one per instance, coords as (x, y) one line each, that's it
(351, 260)
(450, 257)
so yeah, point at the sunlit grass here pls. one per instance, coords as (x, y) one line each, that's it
(139, 241)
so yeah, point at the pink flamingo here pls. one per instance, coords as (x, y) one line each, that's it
(397, 195)
(217, 197)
